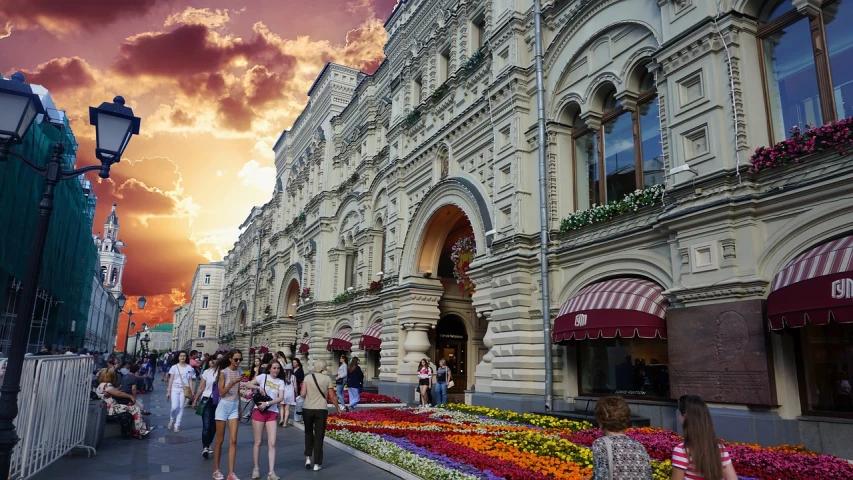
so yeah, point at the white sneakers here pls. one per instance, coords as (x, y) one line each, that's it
(317, 468)
(205, 452)
(307, 463)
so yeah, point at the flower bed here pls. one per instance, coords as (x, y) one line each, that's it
(602, 213)
(464, 442)
(832, 136)
(368, 398)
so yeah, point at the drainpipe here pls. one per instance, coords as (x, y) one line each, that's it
(543, 207)
(255, 300)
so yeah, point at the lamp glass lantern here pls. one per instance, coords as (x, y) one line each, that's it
(141, 303)
(121, 301)
(18, 108)
(115, 125)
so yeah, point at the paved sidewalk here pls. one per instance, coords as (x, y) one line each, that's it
(166, 455)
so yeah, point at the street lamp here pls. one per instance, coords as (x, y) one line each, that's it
(122, 300)
(19, 105)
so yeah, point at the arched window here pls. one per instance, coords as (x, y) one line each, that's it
(114, 276)
(807, 82)
(103, 274)
(625, 154)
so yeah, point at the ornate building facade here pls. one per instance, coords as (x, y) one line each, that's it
(112, 259)
(196, 322)
(404, 221)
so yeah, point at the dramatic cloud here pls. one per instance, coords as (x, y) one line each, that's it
(62, 74)
(63, 16)
(200, 16)
(254, 175)
(6, 31)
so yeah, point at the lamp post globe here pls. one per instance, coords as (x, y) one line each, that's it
(18, 107)
(121, 301)
(141, 303)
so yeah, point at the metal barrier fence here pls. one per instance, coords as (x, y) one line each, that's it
(53, 406)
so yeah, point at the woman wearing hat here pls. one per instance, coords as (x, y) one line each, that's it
(289, 396)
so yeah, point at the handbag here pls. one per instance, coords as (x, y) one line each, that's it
(260, 398)
(451, 384)
(188, 392)
(201, 405)
(214, 394)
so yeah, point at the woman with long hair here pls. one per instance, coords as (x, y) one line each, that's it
(423, 380)
(289, 396)
(265, 414)
(180, 378)
(256, 368)
(443, 377)
(341, 378)
(700, 456)
(299, 376)
(228, 410)
(205, 391)
(120, 402)
(355, 383)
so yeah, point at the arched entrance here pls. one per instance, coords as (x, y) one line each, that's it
(452, 345)
(291, 299)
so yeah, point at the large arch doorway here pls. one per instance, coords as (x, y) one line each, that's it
(452, 345)
(291, 299)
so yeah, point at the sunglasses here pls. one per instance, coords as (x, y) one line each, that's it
(237, 359)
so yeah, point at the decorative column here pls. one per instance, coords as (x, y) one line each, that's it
(482, 300)
(418, 315)
(390, 355)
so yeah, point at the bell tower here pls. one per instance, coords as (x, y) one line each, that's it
(112, 260)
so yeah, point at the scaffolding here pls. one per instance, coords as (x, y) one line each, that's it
(70, 256)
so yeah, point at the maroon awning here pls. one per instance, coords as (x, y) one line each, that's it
(370, 338)
(816, 287)
(624, 307)
(341, 341)
(303, 346)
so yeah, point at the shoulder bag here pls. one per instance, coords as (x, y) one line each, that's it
(188, 392)
(608, 443)
(260, 398)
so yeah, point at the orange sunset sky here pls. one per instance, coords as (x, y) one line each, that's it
(214, 81)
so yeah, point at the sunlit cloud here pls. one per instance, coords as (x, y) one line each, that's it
(254, 175)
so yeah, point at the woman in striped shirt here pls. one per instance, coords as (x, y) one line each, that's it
(700, 456)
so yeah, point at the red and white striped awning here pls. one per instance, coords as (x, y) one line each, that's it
(303, 346)
(341, 340)
(370, 339)
(816, 287)
(625, 307)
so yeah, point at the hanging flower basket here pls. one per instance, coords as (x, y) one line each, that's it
(375, 286)
(462, 255)
(306, 293)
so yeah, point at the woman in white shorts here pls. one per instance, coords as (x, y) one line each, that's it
(228, 411)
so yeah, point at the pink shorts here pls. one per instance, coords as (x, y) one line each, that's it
(268, 416)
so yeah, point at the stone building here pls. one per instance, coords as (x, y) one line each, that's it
(196, 322)
(405, 224)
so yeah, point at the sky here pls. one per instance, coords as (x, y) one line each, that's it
(214, 81)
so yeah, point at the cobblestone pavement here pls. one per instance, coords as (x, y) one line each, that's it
(166, 455)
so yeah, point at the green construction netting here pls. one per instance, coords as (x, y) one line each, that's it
(70, 257)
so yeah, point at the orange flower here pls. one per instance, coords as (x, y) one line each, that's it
(545, 465)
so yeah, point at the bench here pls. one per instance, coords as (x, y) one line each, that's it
(588, 414)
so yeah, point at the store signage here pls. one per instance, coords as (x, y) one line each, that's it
(580, 320)
(447, 335)
(842, 288)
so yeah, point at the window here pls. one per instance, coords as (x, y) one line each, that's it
(417, 87)
(350, 269)
(201, 331)
(444, 65)
(824, 362)
(478, 32)
(204, 302)
(207, 279)
(805, 82)
(624, 155)
(635, 367)
(114, 276)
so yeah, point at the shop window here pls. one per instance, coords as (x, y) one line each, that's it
(631, 367)
(825, 362)
(807, 84)
(624, 155)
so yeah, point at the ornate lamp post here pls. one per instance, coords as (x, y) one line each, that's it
(115, 125)
(122, 300)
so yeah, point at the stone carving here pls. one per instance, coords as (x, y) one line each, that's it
(720, 353)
